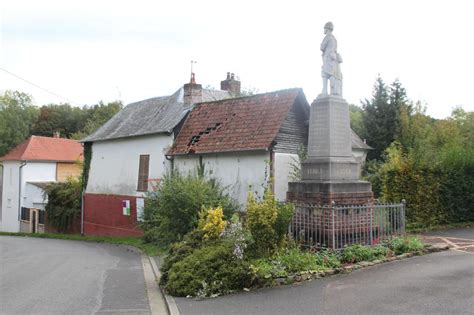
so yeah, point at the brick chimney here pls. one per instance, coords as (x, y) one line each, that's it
(192, 91)
(231, 84)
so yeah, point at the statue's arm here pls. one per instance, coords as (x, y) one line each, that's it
(324, 44)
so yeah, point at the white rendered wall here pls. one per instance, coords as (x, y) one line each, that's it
(9, 222)
(115, 163)
(1, 191)
(282, 173)
(235, 171)
(38, 172)
(33, 197)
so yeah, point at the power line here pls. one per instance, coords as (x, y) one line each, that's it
(39, 87)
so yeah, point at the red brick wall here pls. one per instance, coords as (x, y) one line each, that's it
(103, 215)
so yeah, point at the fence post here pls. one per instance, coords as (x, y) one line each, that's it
(371, 209)
(402, 224)
(333, 226)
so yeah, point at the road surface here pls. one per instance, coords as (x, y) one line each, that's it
(47, 276)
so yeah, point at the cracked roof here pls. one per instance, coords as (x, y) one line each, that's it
(238, 124)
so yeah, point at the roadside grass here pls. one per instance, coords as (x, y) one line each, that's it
(147, 248)
(417, 230)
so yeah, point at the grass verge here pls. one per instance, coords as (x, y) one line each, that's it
(147, 248)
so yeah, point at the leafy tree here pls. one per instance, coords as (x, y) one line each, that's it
(465, 122)
(357, 119)
(59, 117)
(97, 115)
(17, 115)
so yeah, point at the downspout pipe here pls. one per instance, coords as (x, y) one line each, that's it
(171, 159)
(23, 163)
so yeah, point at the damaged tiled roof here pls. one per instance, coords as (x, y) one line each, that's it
(38, 148)
(239, 124)
(151, 116)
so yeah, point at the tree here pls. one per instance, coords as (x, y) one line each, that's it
(386, 116)
(465, 123)
(59, 117)
(357, 119)
(379, 124)
(17, 115)
(97, 115)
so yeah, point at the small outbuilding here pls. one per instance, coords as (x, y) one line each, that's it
(27, 169)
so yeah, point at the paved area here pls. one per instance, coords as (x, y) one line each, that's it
(457, 239)
(440, 283)
(46, 276)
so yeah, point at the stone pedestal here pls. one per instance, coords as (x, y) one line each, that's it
(330, 174)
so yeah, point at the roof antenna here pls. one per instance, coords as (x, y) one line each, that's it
(193, 79)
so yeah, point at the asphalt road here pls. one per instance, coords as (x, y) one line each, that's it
(441, 283)
(46, 276)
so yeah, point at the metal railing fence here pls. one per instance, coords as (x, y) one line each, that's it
(337, 226)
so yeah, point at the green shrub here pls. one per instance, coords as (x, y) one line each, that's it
(208, 271)
(268, 222)
(261, 218)
(172, 210)
(284, 216)
(356, 253)
(64, 203)
(291, 261)
(401, 245)
(179, 251)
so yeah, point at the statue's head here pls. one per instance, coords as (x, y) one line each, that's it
(328, 27)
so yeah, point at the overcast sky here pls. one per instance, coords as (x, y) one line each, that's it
(87, 51)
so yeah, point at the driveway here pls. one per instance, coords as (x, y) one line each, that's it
(441, 283)
(47, 276)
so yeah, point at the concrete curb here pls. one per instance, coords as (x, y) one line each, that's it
(155, 299)
(170, 302)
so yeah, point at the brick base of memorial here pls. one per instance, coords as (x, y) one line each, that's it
(325, 193)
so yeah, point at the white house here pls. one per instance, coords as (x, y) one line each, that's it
(26, 170)
(128, 156)
(243, 142)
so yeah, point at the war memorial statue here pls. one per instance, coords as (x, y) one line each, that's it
(330, 174)
(331, 69)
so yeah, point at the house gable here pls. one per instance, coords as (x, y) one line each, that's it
(294, 130)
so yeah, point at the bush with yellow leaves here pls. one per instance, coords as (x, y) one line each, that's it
(212, 223)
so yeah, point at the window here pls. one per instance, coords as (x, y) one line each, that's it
(143, 173)
(25, 214)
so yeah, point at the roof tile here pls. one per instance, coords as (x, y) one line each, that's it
(38, 148)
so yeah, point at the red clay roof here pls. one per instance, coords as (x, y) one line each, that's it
(38, 148)
(239, 124)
